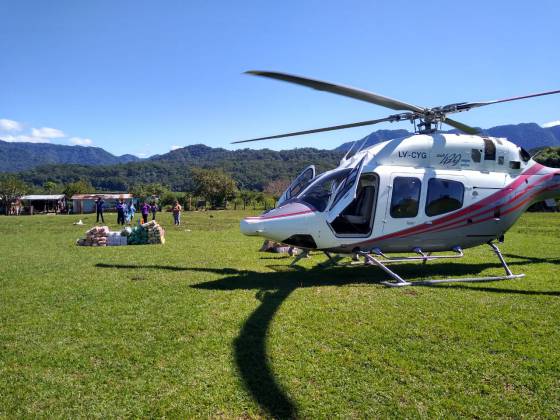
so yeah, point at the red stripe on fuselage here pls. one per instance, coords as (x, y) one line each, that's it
(521, 203)
(491, 209)
(436, 224)
(278, 216)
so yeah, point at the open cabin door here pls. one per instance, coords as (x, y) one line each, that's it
(345, 193)
(298, 185)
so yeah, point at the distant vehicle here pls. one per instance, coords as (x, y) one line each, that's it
(428, 192)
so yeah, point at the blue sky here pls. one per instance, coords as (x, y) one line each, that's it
(143, 77)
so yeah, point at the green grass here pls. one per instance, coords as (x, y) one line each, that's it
(204, 326)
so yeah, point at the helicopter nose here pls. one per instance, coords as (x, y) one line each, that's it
(250, 227)
(278, 224)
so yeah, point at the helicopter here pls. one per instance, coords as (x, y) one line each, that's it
(424, 193)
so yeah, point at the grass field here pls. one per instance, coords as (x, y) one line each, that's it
(205, 326)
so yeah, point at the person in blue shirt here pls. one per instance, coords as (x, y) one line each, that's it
(120, 212)
(99, 207)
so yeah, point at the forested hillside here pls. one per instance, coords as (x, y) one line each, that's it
(251, 169)
(18, 156)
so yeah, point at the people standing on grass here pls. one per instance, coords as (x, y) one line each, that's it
(126, 214)
(154, 209)
(99, 207)
(176, 213)
(120, 212)
(131, 210)
(145, 210)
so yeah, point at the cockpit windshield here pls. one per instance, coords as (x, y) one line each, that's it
(319, 192)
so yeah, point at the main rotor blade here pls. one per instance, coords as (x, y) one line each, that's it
(320, 130)
(348, 91)
(470, 105)
(460, 126)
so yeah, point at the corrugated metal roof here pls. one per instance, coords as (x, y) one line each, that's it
(105, 196)
(43, 197)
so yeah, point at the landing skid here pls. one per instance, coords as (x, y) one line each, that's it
(382, 260)
(332, 260)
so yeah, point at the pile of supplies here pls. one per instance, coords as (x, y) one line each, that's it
(147, 233)
(271, 246)
(96, 236)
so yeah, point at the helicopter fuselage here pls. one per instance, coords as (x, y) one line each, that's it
(431, 192)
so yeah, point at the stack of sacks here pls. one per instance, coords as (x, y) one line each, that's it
(116, 239)
(138, 236)
(156, 234)
(96, 236)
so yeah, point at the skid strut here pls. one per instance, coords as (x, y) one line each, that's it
(380, 260)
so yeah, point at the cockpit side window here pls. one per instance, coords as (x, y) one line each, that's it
(348, 183)
(319, 192)
(357, 217)
(303, 181)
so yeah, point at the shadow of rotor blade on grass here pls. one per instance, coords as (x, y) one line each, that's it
(533, 259)
(251, 358)
(494, 289)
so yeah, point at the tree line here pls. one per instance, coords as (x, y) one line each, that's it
(242, 185)
(212, 187)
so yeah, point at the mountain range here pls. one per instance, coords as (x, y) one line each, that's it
(251, 169)
(20, 156)
(16, 157)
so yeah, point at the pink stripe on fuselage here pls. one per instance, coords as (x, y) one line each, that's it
(437, 224)
(279, 215)
(491, 209)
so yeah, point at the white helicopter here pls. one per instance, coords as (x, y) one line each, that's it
(424, 193)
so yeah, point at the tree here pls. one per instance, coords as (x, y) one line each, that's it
(167, 198)
(246, 197)
(277, 187)
(147, 191)
(49, 187)
(259, 199)
(79, 187)
(214, 185)
(11, 188)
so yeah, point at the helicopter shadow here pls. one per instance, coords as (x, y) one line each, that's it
(274, 287)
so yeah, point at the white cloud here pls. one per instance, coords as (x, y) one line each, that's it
(551, 124)
(9, 128)
(141, 155)
(24, 138)
(10, 125)
(47, 133)
(176, 147)
(80, 141)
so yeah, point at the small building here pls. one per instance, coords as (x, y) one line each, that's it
(85, 203)
(44, 203)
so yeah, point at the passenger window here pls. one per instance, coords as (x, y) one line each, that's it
(475, 155)
(405, 198)
(444, 196)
